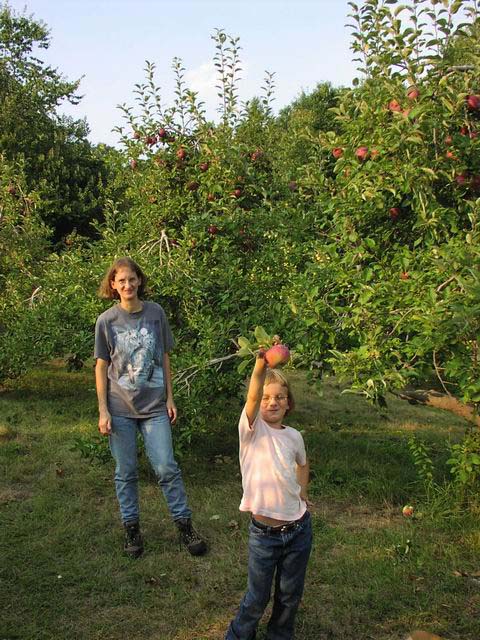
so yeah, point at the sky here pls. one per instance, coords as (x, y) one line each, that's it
(106, 43)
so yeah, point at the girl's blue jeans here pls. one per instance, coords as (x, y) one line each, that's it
(157, 438)
(287, 554)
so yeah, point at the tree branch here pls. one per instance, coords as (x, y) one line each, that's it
(443, 401)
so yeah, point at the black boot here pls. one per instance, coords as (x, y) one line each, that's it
(190, 538)
(133, 546)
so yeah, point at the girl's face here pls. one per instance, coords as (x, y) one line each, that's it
(274, 404)
(126, 283)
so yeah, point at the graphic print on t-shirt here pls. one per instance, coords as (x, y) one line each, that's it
(139, 367)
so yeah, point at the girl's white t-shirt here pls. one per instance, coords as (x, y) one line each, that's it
(268, 460)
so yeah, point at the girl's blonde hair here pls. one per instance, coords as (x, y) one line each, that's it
(105, 290)
(274, 376)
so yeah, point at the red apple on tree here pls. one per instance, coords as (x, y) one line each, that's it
(211, 197)
(212, 229)
(413, 93)
(394, 213)
(404, 275)
(236, 193)
(192, 185)
(181, 154)
(394, 105)
(362, 153)
(408, 510)
(473, 102)
(162, 133)
(337, 152)
(204, 166)
(461, 179)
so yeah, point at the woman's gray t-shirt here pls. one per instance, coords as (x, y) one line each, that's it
(134, 344)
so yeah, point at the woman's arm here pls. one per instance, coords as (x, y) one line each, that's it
(171, 408)
(104, 419)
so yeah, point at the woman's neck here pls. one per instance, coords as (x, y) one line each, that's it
(131, 306)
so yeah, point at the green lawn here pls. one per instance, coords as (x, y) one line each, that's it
(373, 575)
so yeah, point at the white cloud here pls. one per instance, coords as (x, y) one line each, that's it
(203, 80)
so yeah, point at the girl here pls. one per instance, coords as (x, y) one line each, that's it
(275, 475)
(134, 390)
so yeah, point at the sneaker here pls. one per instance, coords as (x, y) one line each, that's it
(133, 546)
(190, 538)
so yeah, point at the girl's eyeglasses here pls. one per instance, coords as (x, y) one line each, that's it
(266, 399)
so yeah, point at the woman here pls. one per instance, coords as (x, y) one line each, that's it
(134, 389)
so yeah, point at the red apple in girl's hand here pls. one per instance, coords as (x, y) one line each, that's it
(276, 355)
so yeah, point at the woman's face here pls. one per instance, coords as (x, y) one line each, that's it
(126, 283)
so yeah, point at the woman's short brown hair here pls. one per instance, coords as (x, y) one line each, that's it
(105, 289)
(276, 376)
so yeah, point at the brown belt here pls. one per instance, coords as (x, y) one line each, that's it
(282, 528)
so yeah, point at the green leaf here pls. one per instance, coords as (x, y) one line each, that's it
(243, 342)
(262, 336)
(242, 366)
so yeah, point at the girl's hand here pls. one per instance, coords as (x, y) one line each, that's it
(171, 410)
(307, 501)
(105, 424)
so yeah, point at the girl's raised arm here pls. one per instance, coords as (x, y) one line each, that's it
(255, 388)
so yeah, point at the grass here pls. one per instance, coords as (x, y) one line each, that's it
(373, 573)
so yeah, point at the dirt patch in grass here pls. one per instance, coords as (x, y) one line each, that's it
(14, 494)
(356, 516)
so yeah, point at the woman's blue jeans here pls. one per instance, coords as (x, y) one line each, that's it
(157, 438)
(287, 554)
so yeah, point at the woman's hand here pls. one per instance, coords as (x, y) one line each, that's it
(105, 423)
(171, 410)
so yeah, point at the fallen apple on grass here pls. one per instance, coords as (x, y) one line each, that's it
(407, 511)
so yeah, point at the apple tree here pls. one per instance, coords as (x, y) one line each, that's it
(398, 257)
